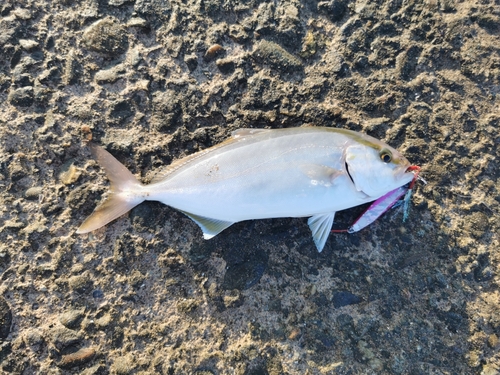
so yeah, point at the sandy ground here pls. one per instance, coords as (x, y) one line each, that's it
(156, 80)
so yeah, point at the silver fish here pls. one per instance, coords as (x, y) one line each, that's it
(256, 174)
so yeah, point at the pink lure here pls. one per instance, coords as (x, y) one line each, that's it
(383, 204)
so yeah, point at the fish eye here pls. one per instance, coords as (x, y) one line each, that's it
(385, 156)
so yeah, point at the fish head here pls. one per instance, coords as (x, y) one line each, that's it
(376, 168)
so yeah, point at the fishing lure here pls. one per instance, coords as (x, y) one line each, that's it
(385, 203)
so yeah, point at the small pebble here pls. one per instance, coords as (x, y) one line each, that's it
(21, 270)
(123, 365)
(214, 51)
(106, 36)
(110, 75)
(295, 333)
(63, 337)
(23, 14)
(134, 57)
(87, 132)
(490, 369)
(80, 283)
(28, 44)
(97, 294)
(137, 22)
(493, 340)
(81, 357)
(72, 318)
(33, 193)
(104, 321)
(117, 3)
(69, 173)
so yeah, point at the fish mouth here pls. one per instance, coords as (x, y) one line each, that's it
(415, 169)
(406, 174)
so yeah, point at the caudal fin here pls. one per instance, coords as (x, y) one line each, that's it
(124, 194)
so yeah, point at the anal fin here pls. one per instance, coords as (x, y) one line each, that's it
(210, 227)
(321, 226)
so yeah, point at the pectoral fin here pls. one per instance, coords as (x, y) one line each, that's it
(320, 174)
(210, 227)
(321, 226)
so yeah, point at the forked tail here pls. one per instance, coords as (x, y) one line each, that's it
(124, 193)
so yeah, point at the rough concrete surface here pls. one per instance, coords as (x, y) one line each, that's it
(155, 80)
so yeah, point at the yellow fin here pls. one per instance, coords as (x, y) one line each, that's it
(321, 226)
(119, 176)
(123, 196)
(113, 207)
(210, 227)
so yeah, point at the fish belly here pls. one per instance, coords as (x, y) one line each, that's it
(289, 176)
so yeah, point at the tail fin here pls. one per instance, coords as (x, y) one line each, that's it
(124, 192)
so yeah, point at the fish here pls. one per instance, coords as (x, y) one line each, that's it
(310, 172)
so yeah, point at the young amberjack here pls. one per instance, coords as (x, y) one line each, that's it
(256, 174)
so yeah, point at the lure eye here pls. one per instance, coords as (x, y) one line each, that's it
(385, 156)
